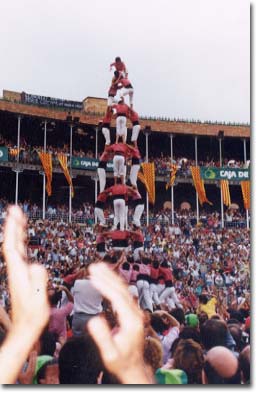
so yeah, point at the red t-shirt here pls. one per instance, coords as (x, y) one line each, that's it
(121, 108)
(119, 66)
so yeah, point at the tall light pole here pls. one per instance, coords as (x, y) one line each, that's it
(70, 194)
(220, 138)
(196, 163)
(44, 176)
(146, 159)
(245, 159)
(17, 170)
(172, 190)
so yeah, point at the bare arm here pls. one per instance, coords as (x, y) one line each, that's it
(28, 291)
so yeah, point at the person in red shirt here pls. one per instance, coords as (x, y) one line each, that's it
(101, 171)
(119, 193)
(168, 294)
(127, 89)
(134, 117)
(135, 167)
(119, 66)
(121, 109)
(154, 282)
(138, 244)
(105, 125)
(119, 239)
(120, 151)
(100, 245)
(99, 208)
(113, 89)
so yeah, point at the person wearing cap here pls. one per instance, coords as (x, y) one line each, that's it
(192, 320)
(121, 111)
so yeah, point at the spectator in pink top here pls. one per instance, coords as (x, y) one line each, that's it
(58, 316)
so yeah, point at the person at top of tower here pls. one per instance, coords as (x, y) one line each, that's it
(119, 66)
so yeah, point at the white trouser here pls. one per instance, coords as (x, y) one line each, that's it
(126, 216)
(135, 132)
(136, 254)
(101, 254)
(119, 164)
(102, 179)
(121, 129)
(170, 297)
(154, 293)
(130, 92)
(133, 291)
(137, 215)
(144, 295)
(106, 134)
(110, 101)
(99, 213)
(119, 213)
(134, 173)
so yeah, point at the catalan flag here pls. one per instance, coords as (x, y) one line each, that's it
(64, 165)
(225, 192)
(174, 169)
(46, 159)
(199, 185)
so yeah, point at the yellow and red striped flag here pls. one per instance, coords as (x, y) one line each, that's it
(225, 192)
(245, 186)
(64, 165)
(147, 176)
(174, 169)
(199, 185)
(46, 159)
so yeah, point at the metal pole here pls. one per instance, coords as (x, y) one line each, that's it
(44, 176)
(172, 191)
(17, 159)
(245, 159)
(196, 162)
(221, 194)
(147, 197)
(70, 195)
(96, 153)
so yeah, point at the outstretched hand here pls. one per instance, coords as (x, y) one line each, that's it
(28, 293)
(122, 353)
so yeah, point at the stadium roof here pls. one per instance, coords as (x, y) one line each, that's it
(93, 110)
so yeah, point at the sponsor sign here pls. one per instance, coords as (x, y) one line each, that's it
(50, 101)
(228, 173)
(85, 163)
(3, 153)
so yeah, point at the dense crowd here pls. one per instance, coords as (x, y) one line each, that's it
(207, 315)
(29, 155)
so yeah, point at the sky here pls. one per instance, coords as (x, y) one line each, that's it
(186, 59)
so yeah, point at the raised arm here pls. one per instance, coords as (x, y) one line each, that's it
(28, 291)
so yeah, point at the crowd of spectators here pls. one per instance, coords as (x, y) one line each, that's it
(29, 155)
(203, 339)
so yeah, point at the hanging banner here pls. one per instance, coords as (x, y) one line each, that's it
(245, 186)
(3, 153)
(147, 176)
(50, 101)
(64, 165)
(86, 163)
(231, 174)
(174, 169)
(225, 192)
(199, 185)
(46, 159)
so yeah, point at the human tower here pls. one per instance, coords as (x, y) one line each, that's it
(120, 153)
